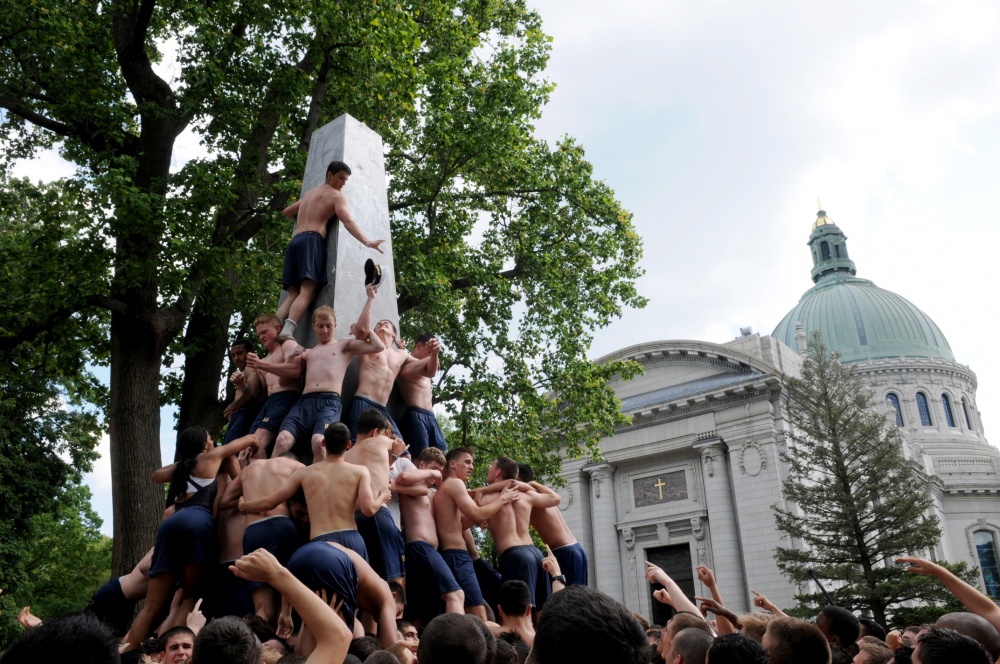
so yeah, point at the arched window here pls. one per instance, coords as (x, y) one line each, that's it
(925, 412)
(893, 402)
(946, 404)
(836, 250)
(965, 410)
(986, 549)
(824, 248)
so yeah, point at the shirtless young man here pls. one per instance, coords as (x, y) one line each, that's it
(271, 529)
(332, 489)
(325, 366)
(552, 528)
(281, 378)
(430, 580)
(418, 426)
(454, 511)
(376, 374)
(249, 393)
(305, 256)
(519, 558)
(376, 451)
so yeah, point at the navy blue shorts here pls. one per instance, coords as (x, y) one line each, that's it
(185, 538)
(111, 606)
(489, 583)
(239, 424)
(384, 543)
(524, 563)
(312, 413)
(323, 567)
(460, 564)
(419, 429)
(572, 563)
(305, 258)
(274, 411)
(360, 405)
(275, 533)
(349, 539)
(428, 577)
(227, 594)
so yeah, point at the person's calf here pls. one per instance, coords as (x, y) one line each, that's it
(284, 443)
(318, 448)
(454, 602)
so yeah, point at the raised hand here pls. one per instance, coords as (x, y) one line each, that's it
(706, 576)
(375, 244)
(285, 625)
(662, 596)
(510, 494)
(257, 565)
(656, 575)
(27, 619)
(549, 562)
(919, 565)
(196, 619)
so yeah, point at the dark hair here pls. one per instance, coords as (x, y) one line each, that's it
(840, 656)
(336, 437)
(507, 467)
(292, 658)
(491, 642)
(872, 628)
(841, 623)
(397, 587)
(260, 627)
(227, 640)
(362, 646)
(736, 649)
(515, 641)
(190, 443)
(975, 627)
(796, 642)
(382, 657)
(945, 646)
(243, 341)
(456, 452)
(525, 473)
(504, 653)
(370, 420)
(903, 655)
(453, 637)
(336, 166)
(171, 633)
(691, 644)
(400, 623)
(515, 597)
(78, 636)
(425, 337)
(583, 625)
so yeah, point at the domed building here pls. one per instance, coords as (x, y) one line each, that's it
(692, 479)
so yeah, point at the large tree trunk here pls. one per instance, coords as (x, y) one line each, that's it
(206, 344)
(134, 426)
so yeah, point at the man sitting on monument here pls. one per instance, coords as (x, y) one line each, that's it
(325, 366)
(418, 425)
(376, 374)
(249, 393)
(305, 256)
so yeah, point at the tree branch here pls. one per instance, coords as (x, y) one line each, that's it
(29, 332)
(512, 193)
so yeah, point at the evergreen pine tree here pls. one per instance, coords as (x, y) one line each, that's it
(854, 502)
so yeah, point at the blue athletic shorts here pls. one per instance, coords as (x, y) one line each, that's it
(572, 563)
(239, 424)
(419, 428)
(323, 567)
(360, 405)
(460, 564)
(384, 543)
(274, 411)
(187, 536)
(489, 582)
(524, 563)
(227, 594)
(305, 258)
(112, 607)
(312, 413)
(349, 539)
(275, 533)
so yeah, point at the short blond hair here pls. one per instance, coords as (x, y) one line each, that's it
(755, 624)
(432, 455)
(267, 319)
(324, 311)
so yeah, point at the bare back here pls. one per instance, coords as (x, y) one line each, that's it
(262, 478)
(377, 372)
(373, 454)
(316, 208)
(551, 527)
(510, 524)
(331, 490)
(326, 365)
(417, 515)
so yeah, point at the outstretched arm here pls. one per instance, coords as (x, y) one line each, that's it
(726, 626)
(231, 497)
(347, 220)
(365, 340)
(975, 601)
(331, 633)
(232, 449)
(673, 595)
(766, 604)
(468, 507)
(270, 502)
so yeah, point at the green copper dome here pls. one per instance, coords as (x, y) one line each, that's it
(857, 319)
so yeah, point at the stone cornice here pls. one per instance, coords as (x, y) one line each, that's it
(908, 364)
(657, 352)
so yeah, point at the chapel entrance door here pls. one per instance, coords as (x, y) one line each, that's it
(675, 560)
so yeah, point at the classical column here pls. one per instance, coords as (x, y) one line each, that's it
(607, 551)
(727, 555)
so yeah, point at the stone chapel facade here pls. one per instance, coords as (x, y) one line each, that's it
(692, 480)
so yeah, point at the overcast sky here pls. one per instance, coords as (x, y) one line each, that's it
(719, 124)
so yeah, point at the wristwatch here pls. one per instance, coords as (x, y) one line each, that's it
(560, 578)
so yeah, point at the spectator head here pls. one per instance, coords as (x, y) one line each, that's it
(872, 651)
(432, 458)
(362, 646)
(293, 658)
(453, 637)
(755, 624)
(407, 632)
(398, 596)
(840, 656)
(792, 641)
(504, 468)
(653, 634)
(515, 599)
(871, 628)
(680, 620)
(689, 646)
(736, 649)
(838, 625)
(227, 641)
(902, 655)
(583, 625)
(525, 473)
(176, 645)
(382, 657)
(975, 627)
(520, 648)
(401, 652)
(76, 636)
(946, 646)
(504, 653)
(642, 620)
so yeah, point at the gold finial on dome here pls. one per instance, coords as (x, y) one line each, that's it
(821, 218)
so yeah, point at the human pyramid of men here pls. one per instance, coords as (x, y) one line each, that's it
(367, 478)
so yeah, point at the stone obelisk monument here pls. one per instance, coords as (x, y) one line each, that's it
(354, 143)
